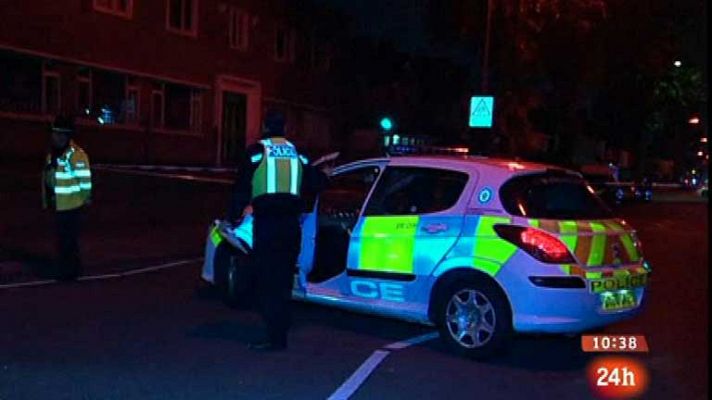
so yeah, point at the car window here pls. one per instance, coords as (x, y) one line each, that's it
(412, 190)
(347, 191)
(552, 196)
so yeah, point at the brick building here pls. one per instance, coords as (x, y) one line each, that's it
(164, 81)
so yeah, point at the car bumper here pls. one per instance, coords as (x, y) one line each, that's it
(576, 310)
(556, 310)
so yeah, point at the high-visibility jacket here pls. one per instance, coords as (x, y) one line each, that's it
(67, 185)
(279, 168)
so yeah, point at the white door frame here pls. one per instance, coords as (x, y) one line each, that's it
(253, 91)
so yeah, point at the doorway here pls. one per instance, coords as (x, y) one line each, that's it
(234, 127)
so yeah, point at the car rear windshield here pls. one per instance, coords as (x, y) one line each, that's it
(551, 196)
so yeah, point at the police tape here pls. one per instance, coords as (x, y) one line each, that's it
(169, 168)
(166, 175)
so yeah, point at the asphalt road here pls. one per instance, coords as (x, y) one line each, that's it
(150, 336)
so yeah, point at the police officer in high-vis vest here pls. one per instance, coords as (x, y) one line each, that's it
(66, 189)
(271, 180)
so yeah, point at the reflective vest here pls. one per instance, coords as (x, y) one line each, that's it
(68, 185)
(279, 169)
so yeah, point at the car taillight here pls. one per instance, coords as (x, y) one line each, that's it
(539, 244)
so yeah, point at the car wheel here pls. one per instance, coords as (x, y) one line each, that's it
(234, 284)
(474, 318)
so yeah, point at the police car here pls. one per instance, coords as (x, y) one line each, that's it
(478, 247)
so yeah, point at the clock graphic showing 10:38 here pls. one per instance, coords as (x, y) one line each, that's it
(614, 343)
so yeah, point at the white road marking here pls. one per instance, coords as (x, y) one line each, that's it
(107, 276)
(354, 382)
(167, 176)
(25, 284)
(412, 341)
(160, 267)
(348, 388)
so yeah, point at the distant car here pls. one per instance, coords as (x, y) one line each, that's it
(478, 247)
(643, 190)
(615, 193)
(606, 187)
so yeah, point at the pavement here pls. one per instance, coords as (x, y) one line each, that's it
(139, 329)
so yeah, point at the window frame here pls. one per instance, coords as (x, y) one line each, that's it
(349, 169)
(161, 91)
(319, 53)
(114, 8)
(290, 44)
(44, 107)
(463, 195)
(196, 111)
(79, 79)
(133, 87)
(193, 31)
(238, 18)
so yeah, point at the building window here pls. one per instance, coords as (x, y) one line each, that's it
(20, 84)
(181, 16)
(132, 104)
(284, 45)
(84, 104)
(239, 29)
(51, 92)
(109, 94)
(319, 53)
(121, 8)
(196, 110)
(157, 106)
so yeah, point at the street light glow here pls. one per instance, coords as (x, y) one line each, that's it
(703, 140)
(386, 124)
(677, 63)
(694, 120)
(700, 154)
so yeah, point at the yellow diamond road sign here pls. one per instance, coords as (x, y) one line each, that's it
(481, 110)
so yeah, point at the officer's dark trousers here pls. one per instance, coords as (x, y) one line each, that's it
(68, 226)
(277, 242)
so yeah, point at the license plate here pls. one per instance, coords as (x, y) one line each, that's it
(619, 283)
(613, 301)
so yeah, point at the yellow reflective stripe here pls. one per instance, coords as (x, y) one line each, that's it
(630, 247)
(294, 176)
(59, 175)
(82, 173)
(489, 267)
(67, 189)
(388, 243)
(598, 244)
(621, 272)
(215, 237)
(85, 186)
(569, 234)
(594, 275)
(487, 245)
